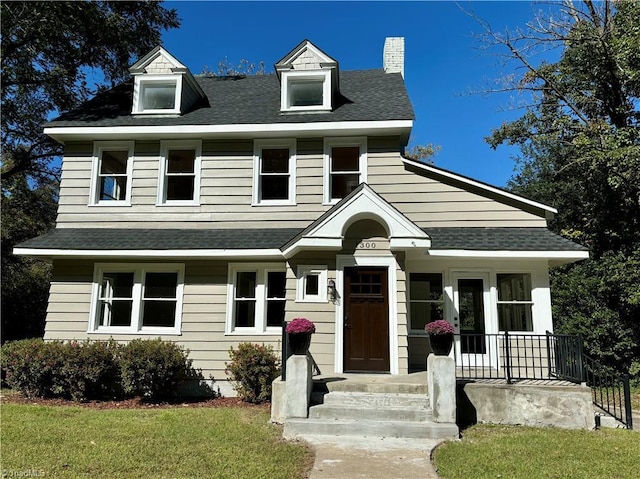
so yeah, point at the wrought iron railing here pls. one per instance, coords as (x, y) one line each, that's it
(513, 356)
(610, 391)
(554, 357)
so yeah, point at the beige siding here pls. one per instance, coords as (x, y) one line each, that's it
(203, 314)
(226, 191)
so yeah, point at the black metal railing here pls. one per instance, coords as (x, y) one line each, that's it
(610, 390)
(513, 356)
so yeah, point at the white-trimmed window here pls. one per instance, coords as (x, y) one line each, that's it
(179, 182)
(345, 166)
(256, 298)
(137, 298)
(426, 300)
(112, 172)
(274, 172)
(312, 284)
(514, 302)
(157, 94)
(306, 91)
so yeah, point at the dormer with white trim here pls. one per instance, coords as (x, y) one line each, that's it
(308, 79)
(163, 85)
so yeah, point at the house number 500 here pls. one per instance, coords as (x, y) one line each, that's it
(366, 245)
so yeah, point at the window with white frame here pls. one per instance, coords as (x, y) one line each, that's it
(112, 171)
(312, 284)
(426, 300)
(180, 172)
(142, 298)
(306, 90)
(157, 94)
(257, 298)
(514, 302)
(274, 172)
(345, 167)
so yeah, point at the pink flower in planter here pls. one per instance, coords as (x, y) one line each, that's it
(439, 327)
(300, 326)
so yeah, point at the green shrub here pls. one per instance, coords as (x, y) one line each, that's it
(153, 368)
(32, 366)
(90, 371)
(252, 370)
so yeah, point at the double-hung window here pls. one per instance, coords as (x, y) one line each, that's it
(112, 171)
(137, 298)
(426, 300)
(345, 167)
(179, 182)
(514, 302)
(256, 298)
(274, 172)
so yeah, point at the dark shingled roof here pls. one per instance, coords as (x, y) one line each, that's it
(160, 239)
(500, 239)
(480, 239)
(366, 95)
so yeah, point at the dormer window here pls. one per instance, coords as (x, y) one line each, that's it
(308, 79)
(306, 91)
(163, 85)
(157, 94)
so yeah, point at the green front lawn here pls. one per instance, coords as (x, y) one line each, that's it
(524, 452)
(77, 442)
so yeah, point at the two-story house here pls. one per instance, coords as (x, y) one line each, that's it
(207, 210)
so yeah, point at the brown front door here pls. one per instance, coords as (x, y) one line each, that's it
(366, 321)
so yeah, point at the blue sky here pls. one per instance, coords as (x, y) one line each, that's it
(443, 60)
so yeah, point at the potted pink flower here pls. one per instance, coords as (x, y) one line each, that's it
(440, 336)
(299, 332)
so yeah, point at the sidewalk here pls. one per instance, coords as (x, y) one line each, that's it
(370, 458)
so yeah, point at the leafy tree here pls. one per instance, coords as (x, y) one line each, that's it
(50, 51)
(580, 151)
(423, 153)
(53, 55)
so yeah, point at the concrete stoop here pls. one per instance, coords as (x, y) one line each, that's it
(369, 410)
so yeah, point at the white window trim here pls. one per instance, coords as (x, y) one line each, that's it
(138, 270)
(329, 143)
(165, 146)
(301, 75)
(141, 80)
(258, 146)
(260, 327)
(303, 272)
(422, 332)
(98, 148)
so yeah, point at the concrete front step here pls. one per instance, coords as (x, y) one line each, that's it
(385, 413)
(375, 400)
(300, 428)
(365, 386)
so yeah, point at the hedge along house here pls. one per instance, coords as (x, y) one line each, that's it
(207, 210)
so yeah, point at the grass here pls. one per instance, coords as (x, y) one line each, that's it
(75, 442)
(635, 398)
(524, 452)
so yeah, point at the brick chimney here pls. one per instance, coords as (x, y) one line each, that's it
(393, 54)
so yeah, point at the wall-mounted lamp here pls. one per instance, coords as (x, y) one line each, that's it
(331, 290)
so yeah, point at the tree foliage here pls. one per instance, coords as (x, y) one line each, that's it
(53, 55)
(579, 138)
(423, 153)
(49, 53)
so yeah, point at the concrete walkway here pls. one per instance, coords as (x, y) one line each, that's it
(370, 458)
